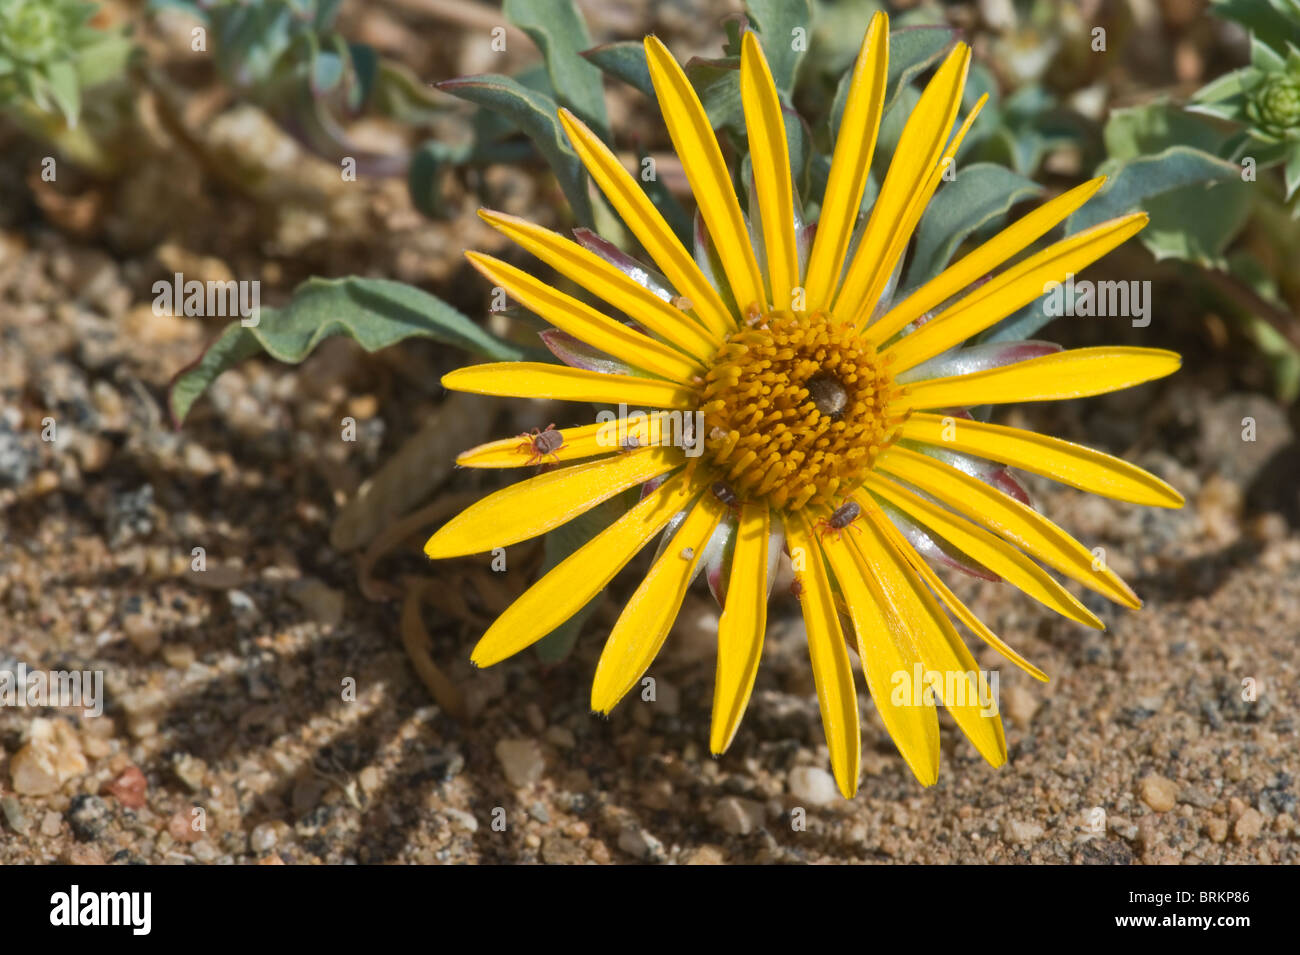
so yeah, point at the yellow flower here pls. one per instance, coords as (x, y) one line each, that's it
(828, 419)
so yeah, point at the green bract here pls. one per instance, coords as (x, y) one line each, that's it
(1275, 104)
(41, 45)
(38, 31)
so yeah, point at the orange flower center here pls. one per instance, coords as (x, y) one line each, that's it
(796, 409)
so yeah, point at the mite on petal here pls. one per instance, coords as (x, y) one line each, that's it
(793, 406)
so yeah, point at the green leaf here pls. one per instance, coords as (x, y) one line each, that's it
(980, 81)
(105, 59)
(1190, 223)
(669, 206)
(1196, 202)
(1293, 170)
(1223, 90)
(560, 33)
(535, 115)
(1130, 181)
(782, 27)
(981, 194)
(559, 544)
(911, 51)
(375, 313)
(626, 61)
(1277, 22)
(64, 86)
(1024, 129)
(717, 83)
(891, 130)
(1197, 223)
(429, 166)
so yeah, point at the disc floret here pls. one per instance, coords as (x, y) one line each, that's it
(796, 409)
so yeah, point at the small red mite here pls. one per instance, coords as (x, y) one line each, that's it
(539, 445)
(796, 589)
(843, 517)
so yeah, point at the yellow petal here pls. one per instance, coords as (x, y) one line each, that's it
(740, 630)
(964, 691)
(608, 283)
(993, 552)
(916, 207)
(983, 260)
(850, 166)
(1021, 525)
(697, 148)
(649, 614)
(1002, 295)
(534, 506)
(586, 441)
(533, 379)
(649, 226)
(1069, 463)
(916, 156)
(962, 612)
(586, 324)
(889, 655)
(573, 582)
(770, 157)
(832, 671)
(1075, 373)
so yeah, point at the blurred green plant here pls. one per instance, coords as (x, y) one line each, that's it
(50, 52)
(286, 57)
(1262, 100)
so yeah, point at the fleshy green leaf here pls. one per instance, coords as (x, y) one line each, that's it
(429, 166)
(65, 89)
(1277, 22)
(911, 51)
(1196, 201)
(375, 313)
(1144, 130)
(782, 27)
(561, 34)
(1293, 170)
(624, 60)
(981, 194)
(717, 83)
(1133, 182)
(536, 115)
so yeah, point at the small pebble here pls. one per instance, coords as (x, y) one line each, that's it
(1021, 832)
(640, 844)
(737, 816)
(88, 816)
(14, 815)
(1159, 793)
(1248, 825)
(51, 756)
(521, 759)
(462, 820)
(813, 786)
(130, 789)
(263, 837)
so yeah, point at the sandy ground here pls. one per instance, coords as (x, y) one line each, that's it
(224, 688)
(227, 690)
